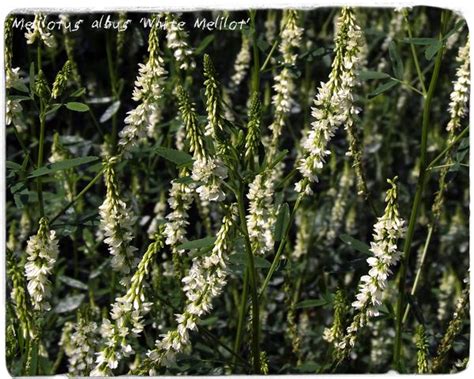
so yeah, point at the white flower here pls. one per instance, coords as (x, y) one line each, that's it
(178, 44)
(42, 251)
(460, 95)
(116, 222)
(242, 63)
(261, 214)
(205, 281)
(148, 91)
(38, 30)
(333, 104)
(388, 229)
(209, 173)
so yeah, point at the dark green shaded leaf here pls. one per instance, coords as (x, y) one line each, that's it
(397, 63)
(73, 282)
(383, 87)
(312, 303)
(197, 244)
(204, 43)
(178, 157)
(59, 166)
(432, 49)
(368, 75)
(356, 244)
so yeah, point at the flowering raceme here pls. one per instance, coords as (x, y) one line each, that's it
(333, 103)
(388, 229)
(148, 91)
(116, 221)
(42, 252)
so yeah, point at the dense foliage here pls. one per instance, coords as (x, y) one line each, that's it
(269, 191)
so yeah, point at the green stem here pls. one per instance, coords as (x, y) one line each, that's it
(421, 78)
(40, 158)
(447, 148)
(267, 59)
(253, 286)
(414, 212)
(78, 196)
(256, 56)
(242, 312)
(281, 246)
(418, 272)
(113, 88)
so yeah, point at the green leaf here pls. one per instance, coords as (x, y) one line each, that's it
(432, 49)
(12, 166)
(282, 221)
(79, 92)
(397, 62)
(53, 108)
(204, 43)
(369, 75)
(178, 157)
(18, 98)
(419, 41)
(73, 283)
(20, 86)
(184, 180)
(70, 303)
(197, 244)
(313, 303)
(240, 259)
(77, 107)
(110, 111)
(356, 244)
(63, 165)
(383, 87)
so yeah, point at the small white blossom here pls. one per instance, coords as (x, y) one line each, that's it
(116, 222)
(42, 252)
(38, 31)
(334, 101)
(261, 214)
(460, 95)
(241, 64)
(178, 44)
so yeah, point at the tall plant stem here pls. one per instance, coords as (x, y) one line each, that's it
(281, 247)
(256, 56)
(242, 313)
(418, 272)
(415, 207)
(42, 118)
(253, 286)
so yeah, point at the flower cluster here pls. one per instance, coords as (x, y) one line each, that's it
(204, 282)
(208, 172)
(241, 64)
(148, 91)
(178, 44)
(180, 199)
(291, 35)
(116, 222)
(38, 31)
(252, 138)
(333, 103)
(127, 315)
(79, 345)
(261, 216)
(339, 208)
(388, 229)
(42, 252)
(460, 95)
(61, 80)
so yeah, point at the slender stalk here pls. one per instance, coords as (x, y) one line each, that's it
(78, 196)
(256, 56)
(281, 247)
(421, 77)
(242, 313)
(448, 148)
(253, 286)
(267, 59)
(414, 210)
(418, 272)
(42, 118)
